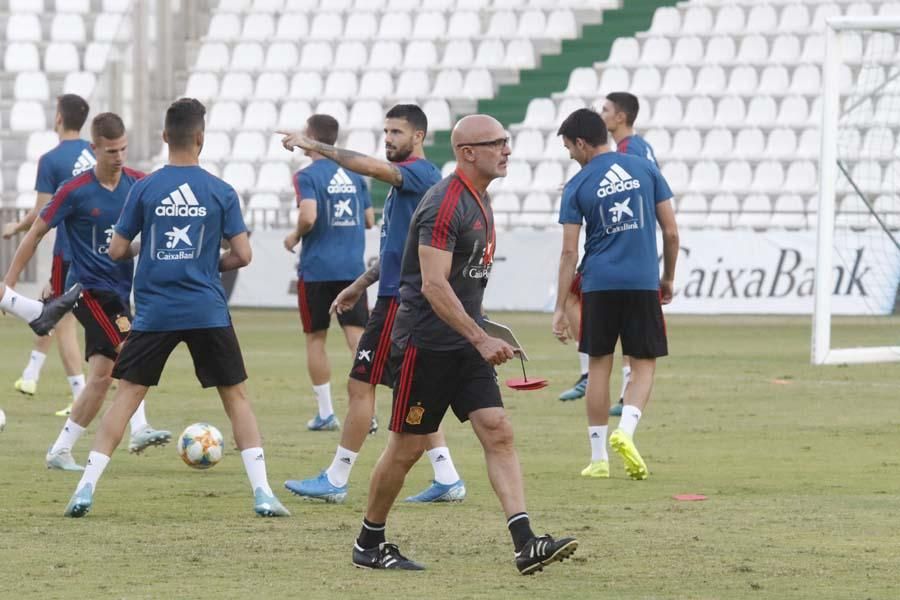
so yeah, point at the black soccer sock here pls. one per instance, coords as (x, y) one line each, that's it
(371, 535)
(520, 529)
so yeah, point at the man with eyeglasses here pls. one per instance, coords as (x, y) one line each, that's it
(441, 358)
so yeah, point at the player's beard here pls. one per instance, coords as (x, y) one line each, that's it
(398, 154)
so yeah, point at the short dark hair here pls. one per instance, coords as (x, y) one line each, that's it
(108, 126)
(414, 115)
(323, 128)
(586, 124)
(184, 118)
(74, 111)
(626, 103)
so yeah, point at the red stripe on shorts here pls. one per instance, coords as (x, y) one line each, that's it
(406, 377)
(384, 343)
(112, 333)
(56, 276)
(303, 305)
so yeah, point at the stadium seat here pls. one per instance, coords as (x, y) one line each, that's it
(724, 210)
(793, 112)
(566, 107)
(561, 25)
(782, 143)
(224, 27)
(660, 141)
(867, 175)
(306, 85)
(361, 140)
(548, 176)
(225, 116)
(686, 143)
(271, 86)
(878, 143)
(73, 6)
(273, 177)
(267, 6)
(612, 79)
(429, 25)
(292, 26)
(806, 80)
(719, 50)
(706, 177)
(394, 26)
(717, 143)
(540, 114)
(774, 80)
(376, 84)
(801, 177)
(361, 26)
(366, 114)
(742, 81)
(789, 212)
(26, 6)
(341, 85)
(335, 108)
(260, 115)
(491, 53)
(351, 56)
(749, 143)
(768, 177)
(23, 27)
(554, 149)
(688, 51)
(529, 145)
(236, 86)
(785, 49)
(25, 177)
(697, 19)
(38, 143)
(212, 56)
(281, 56)
(761, 111)
(813, 48)
(111, 26)
(240, 175)
(666, 21)
(505, 203)
(79, 82)
(464, 24)
(853, 212)
(582, 82)
(518, 177)
(216, 146)
(21, 56)
(730, 20)
(67, 28)
(422, 54)
(667, 111)
(692, 210)
(258, 27)
(95, 56)
(31, 85)
(248, 145)
(438, 112)
(710, 80)
(327, 26)
(293, 115)
(116, 6)
(678, 81)
(762, 18)
(645, 81)
(247, 56)
(625, 51)
(754, 50)
(413, 84)
(457, 54)
(730, 111)
(386, 55)
(737, 176)
(478, 84)
(656, 51)
(61, 57)
(27, 115)
(448, 84)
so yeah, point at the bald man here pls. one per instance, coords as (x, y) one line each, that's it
(441, 358)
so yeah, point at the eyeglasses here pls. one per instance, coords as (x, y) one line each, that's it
(498, 143)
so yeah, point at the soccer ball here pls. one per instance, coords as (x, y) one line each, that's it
(201, 446)
(2, 420)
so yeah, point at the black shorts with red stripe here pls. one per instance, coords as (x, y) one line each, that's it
(314, 300)
(427, 382)
(634, 316)
(374, 349)
(58, 274)
(106, 319)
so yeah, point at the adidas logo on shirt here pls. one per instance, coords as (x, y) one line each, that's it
(180, 203)
(85, 162)
(617, 180)
(341, 183)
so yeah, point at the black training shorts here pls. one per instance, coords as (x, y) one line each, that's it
(314, 300)
(634, 316)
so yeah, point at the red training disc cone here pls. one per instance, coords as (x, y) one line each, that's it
(527, 385)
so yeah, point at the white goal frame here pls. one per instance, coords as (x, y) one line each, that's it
(822, 352)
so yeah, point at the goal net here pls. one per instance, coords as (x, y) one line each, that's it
(858, 246)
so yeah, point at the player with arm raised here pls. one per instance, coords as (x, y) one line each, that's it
(620, 199)
(87, 207)
(410, 176)
(70, 158)
(182, 214)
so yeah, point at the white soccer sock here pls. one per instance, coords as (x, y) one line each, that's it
(597, 435)
(339, 472)
(76, 384)
(32, 370)
(255, 465)
(626, 379)
(138, 419)
(585, 361)
(323, 397)
(96, 463)
(69, 434)
(444, 471)
(25, 308)
(631, 416)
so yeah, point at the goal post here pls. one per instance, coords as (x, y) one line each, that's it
(859, 163)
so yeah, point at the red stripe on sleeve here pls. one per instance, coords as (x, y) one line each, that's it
(445, 215)
(62, 193)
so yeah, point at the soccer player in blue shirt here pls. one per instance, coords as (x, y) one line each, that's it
(334, 212)
(619, 198)
(87, 207)
(182, 214)
(410, 176)
(70, 158)
(619, 112)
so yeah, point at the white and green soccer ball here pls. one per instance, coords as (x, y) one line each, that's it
(201, 446)
(2, 420)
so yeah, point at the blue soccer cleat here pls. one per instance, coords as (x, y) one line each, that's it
(330, 423)
(318, 488)
(81, 502)
(576, 391)
(441, 492)
(267, 505)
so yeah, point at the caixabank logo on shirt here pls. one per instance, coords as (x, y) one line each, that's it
(180, 203)
(177, 244)
(106, 234)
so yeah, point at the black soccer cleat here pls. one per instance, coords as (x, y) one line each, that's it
(543, 550)
(384, 556)
(55, 309)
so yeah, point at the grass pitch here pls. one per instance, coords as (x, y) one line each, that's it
(801, 466)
